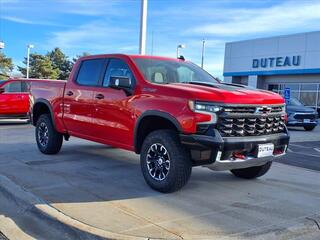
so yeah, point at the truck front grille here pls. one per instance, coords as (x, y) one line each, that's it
(305, 116)
(251, 109)
(254, 123)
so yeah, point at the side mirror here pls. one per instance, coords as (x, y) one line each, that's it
(120, 82)
(2, 90)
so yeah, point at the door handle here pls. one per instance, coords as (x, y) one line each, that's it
(69, 93)
(99, 96)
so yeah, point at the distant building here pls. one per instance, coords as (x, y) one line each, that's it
(276, 63)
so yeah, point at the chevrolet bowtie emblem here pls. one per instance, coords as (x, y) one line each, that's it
(263, 110)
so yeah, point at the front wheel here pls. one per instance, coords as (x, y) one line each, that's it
(252, 172)
(165, 163)
(49, 141)
(309, 128)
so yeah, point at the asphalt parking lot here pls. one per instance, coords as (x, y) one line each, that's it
(91, 191)
(304, 149)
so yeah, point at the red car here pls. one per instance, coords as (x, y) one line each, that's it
(14, 99)
(170, 111)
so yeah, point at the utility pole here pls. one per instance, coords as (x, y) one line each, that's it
(202, 53)
(143, 26)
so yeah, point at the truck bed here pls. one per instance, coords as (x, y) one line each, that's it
(50, 92)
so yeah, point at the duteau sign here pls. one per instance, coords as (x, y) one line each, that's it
(270, 62)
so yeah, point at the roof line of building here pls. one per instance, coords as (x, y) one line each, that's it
(276, 36)
(274, 72)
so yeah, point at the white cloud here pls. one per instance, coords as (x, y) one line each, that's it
(9, 1)
(50, 11)
(50, 8)
(214, 67)
(96, 36)
(27, 21)
(18, 20)
(283, 17)
(130, 48)
(90, 8)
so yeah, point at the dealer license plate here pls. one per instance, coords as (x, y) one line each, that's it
(265, 150)
(306, 120)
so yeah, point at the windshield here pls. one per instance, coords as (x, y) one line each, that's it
(167, 71)
(294, 102)
(2, 81)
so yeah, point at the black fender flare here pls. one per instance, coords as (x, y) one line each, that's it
(47, 103)
(154, 113)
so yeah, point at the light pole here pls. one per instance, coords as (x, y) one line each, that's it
(202, 53)
(178, 48)
(143, 26)
(29, 46)
(1, 45)
(152, 43)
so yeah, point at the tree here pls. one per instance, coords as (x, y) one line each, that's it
(84, 54)
(60, 62)
(40, 67)
(6, 66)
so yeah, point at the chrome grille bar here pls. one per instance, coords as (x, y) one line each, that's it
(250, 121)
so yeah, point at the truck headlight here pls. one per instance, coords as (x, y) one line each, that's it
(205, 108)
(197, 106)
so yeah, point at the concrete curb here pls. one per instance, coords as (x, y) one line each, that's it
(25, 198)
(11, 230)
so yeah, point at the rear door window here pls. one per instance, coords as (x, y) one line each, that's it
(24, 87)
(90, 72)
(13, 87)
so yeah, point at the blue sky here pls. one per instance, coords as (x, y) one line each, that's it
(109, 26)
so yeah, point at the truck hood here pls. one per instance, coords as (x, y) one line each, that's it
(228, 93)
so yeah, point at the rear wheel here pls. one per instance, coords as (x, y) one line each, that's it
(49, 141)
(165, 163)
(309, 128)
(252, 172)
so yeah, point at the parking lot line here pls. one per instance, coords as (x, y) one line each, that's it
(289, 150)
(297, 145)
(317, 149)
(306, 154)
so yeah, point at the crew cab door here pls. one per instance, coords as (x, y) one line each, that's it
(113, 114)
(78, 102)
(14, 100)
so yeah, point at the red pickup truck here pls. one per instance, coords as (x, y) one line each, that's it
(170, 111)
(14, 99)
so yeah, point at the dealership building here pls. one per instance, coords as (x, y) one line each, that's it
(277, 63)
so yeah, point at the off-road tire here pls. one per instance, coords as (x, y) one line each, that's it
(54, 138)
(252, 172)
(180, 162)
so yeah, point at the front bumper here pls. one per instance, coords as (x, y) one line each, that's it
(301, 123)
(218, 152)
(302, 119)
